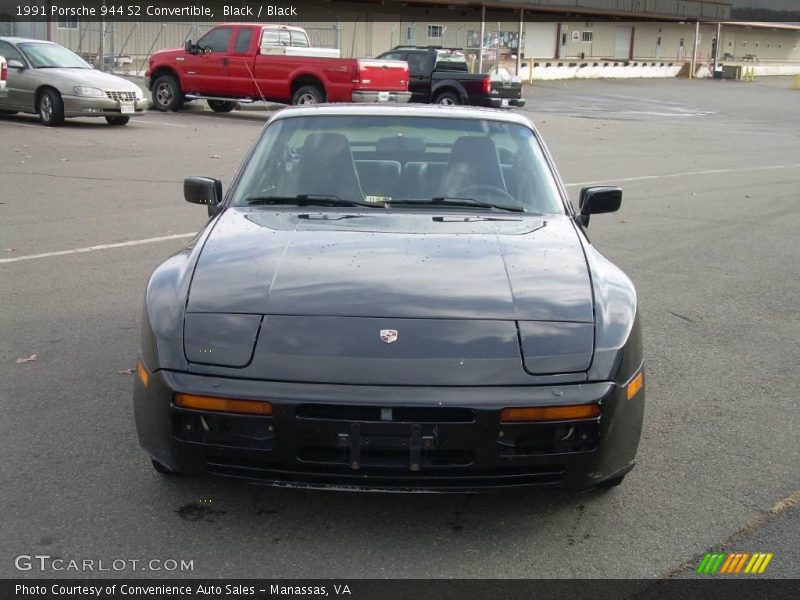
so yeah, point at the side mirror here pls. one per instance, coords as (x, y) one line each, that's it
(203, 190)
(15, 64)
(188, 47)
(596, 200)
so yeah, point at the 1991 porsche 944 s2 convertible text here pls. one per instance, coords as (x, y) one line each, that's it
(393, 298)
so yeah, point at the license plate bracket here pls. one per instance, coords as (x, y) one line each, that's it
(127, 108)
(383, 96)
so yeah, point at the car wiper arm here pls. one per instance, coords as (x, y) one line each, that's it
(456, 201)
(308, 200)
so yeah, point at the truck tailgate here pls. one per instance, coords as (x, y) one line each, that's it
(382, 75)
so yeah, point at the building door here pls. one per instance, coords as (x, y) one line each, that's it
(622, 43)
(540, 40)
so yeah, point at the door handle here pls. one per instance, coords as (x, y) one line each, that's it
(224, 62)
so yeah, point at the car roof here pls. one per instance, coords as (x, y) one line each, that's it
(19, 40)
(405, 110)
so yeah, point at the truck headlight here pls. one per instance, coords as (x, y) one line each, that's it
(89, 91)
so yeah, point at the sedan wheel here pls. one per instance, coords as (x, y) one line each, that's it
(51, 108)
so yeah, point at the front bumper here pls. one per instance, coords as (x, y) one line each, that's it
(81, 106)
(389, 438)
(373, 96)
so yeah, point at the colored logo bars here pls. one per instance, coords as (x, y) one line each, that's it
(734, 562)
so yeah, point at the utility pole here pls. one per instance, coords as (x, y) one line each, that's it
(519, 41)
(480, 44)
(694, 51)
(716, 48)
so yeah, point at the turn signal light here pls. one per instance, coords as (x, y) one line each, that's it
(142, 374)
(250, 407)
(635, 385)
(550, 413)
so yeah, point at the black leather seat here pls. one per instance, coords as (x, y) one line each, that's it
(473, 161)
(326, 167)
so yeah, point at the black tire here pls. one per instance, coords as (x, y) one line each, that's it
(221, 106)
(50, 108)
(308, 94)
(167, 94)
(611, 483)
(117, 121)
(448, 99)
(162, 468)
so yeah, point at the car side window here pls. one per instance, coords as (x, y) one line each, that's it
(394, 56)
(243, 40)
(10, 52)
(416, 63)
(216, 40)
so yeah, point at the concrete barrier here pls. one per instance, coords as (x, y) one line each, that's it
(594, 69)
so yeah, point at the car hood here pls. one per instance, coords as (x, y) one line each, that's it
(67, 78)
(399, 265)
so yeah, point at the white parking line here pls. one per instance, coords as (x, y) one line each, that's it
(155, 123)
(684, 174)
(186, 235)
(152, 240)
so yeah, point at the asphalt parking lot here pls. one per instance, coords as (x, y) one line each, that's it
(708, 231)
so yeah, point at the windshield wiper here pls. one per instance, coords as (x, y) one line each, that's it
(456, 201)
(308, 200)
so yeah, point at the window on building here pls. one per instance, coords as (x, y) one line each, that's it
(587, 37)
(435, 32)
(67, 23)
(758, 44)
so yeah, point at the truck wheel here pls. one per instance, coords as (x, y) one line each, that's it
(119, 121)
(167, 94)
(308, 94)
(221, 106)
(51, 108)
(448, 99)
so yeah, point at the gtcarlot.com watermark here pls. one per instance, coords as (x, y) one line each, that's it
(46, 562)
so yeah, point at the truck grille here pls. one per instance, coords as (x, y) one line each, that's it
(122, 96)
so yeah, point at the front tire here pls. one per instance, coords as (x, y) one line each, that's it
(167, 94)
(448, 99)
(117, 121)
(51, 108)
(308, 94)
(221, 106)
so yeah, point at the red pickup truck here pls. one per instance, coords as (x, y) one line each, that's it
(244, 63)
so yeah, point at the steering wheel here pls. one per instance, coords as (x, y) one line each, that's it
(479, 189)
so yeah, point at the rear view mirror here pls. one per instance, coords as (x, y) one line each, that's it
(596, 200)
(15, 64)
(203, 190)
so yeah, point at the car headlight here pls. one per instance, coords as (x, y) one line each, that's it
(139, 93)
(89, 91)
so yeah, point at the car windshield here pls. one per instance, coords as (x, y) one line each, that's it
(392, 161)
(50, 56)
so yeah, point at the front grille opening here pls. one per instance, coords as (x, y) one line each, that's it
(530, 439)
(235, 431)
(403, 414)
(341, 476)
(385, 458)
(122, 96)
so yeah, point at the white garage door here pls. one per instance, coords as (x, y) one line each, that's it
(540, 40)
(622, 43)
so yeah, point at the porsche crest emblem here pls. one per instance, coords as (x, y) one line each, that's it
(388, 336)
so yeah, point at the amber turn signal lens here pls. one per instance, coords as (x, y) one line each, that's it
(635, 385)
(250, 407)
(142, 374)
(550, 413)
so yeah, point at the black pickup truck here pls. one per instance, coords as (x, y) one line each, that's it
(441, 76)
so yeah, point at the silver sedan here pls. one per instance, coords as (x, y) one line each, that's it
(55, 83)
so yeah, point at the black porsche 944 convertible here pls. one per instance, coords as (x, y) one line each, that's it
(393, 298)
